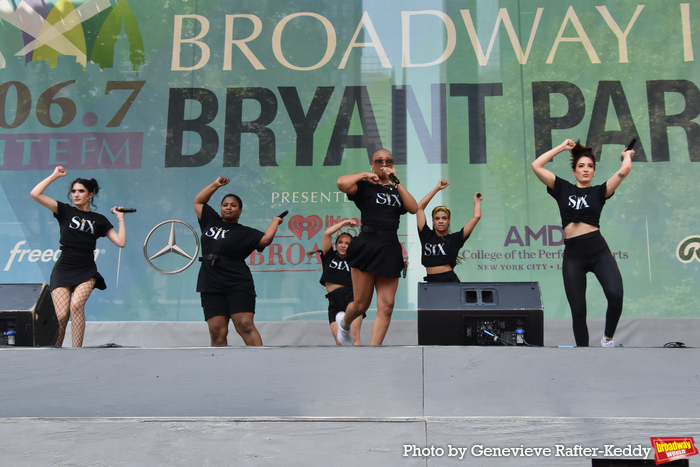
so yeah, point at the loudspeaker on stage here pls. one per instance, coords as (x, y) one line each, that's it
(27, 311)
(480, 313)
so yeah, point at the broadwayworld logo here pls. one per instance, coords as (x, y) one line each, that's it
(670, 449)
(53, 29)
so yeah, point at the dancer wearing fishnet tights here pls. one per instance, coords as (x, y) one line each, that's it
(73, 308)
(75, 274)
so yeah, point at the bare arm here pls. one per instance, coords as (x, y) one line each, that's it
(37, 192)
(422, 204)
(270, 232)
(469, 226)
(538, 164)
(118, 237)
(205, 195)
(409, 202)
(616, 179)
(327, 240)
(348, 183)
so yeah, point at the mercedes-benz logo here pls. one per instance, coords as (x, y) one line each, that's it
(171, 247)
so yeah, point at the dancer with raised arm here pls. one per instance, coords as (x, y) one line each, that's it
(375, 256)
(336, 277)
(585, 249)
(225, 282)
(75, 274)
(440, 247)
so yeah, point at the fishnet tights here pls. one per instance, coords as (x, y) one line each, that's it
(73, 307)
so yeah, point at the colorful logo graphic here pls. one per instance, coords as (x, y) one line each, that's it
(671, 449)
(688, 249)
(311, 225)
(89, 31)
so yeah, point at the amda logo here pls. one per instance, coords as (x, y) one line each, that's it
(89, 30)
(688, 249)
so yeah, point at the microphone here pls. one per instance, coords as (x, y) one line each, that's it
(284, 214)
(478, 195)
(126, 210)
(630, 146)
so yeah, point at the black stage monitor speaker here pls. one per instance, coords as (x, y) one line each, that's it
(27, 309)
(480, 313)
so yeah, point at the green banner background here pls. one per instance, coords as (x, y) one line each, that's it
(478, 124)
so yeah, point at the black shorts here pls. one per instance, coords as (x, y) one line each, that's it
(377, 253)
(338, 301)
(448, 276)
(227, 303)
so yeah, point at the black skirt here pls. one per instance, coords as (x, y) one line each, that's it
(377, 253)
(73, 268)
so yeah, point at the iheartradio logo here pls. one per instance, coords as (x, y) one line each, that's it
(299, 224)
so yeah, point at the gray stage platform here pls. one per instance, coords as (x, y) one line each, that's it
(632, 332)
(319, 406)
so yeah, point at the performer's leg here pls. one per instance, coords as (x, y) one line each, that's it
(245, 326)
(574, 275)
(218, 330)
(334, 331)
(386, 293)
(61, 303)
(355, 328)
(77, 310)
(608, 274)
(363, 289)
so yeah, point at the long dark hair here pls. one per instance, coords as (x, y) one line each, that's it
(579, 151)
(90, 185)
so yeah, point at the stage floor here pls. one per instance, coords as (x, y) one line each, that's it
(329, 405)
(631, 332)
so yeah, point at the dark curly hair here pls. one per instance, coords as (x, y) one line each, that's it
(579, 151)
(90, 185)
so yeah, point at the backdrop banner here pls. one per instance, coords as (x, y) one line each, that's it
(157, 99)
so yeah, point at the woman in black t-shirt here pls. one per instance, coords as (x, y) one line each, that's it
(336, 277)
(225, 283)
(375, 256)
(585, 249)
(439, 247)
(75, 274)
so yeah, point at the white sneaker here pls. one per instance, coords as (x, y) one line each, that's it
(607, 343)
(344, 337)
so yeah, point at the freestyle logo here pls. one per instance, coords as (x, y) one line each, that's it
(34, 255)
(49, 32)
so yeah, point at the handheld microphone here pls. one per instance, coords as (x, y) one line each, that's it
(630, 146)
(126, 210)
(284, 214)
(478, 195)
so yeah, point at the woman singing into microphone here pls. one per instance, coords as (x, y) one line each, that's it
(375, 256)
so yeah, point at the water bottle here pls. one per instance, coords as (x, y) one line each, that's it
(11, 337)
(520, 336)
